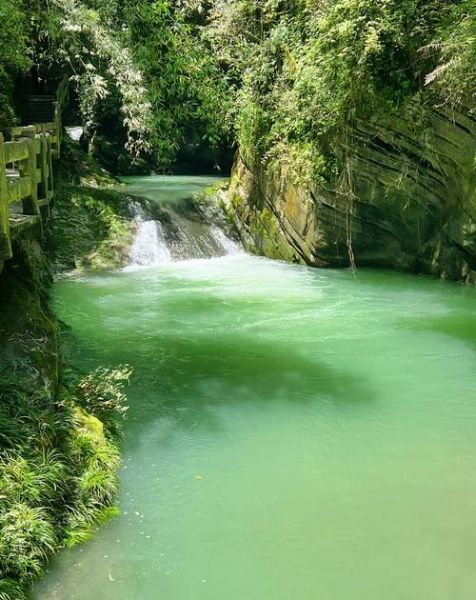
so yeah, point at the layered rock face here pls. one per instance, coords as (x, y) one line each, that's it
(406, 200)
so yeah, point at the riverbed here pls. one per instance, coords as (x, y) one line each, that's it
(293, 433)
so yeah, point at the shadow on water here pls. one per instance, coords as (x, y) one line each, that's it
(454, 303)
(461, 327)
(187, 381)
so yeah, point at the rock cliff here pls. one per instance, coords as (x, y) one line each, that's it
(405, 199)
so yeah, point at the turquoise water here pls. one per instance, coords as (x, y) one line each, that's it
(166, 188)
(293, 433)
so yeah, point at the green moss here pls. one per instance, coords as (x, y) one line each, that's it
(57, 476)
(92, 228)
(80, 168)
(269, 238)
(92, 221)
(58, 462)
(256, 224)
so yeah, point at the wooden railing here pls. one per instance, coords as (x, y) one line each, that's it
(26, 174)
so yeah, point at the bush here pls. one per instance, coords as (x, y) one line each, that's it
(14, 46)
(101, 394)
(57, 469)
(27, 539)
(306, 71)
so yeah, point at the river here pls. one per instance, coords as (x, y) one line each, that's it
(293, 433)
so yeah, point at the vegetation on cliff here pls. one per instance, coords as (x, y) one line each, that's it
(355, 121)
(307, 71)
(283, 79)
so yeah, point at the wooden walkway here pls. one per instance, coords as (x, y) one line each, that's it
(26, 175)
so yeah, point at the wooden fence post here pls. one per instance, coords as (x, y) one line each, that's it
(5, 240)
(51, 184)
(28, 169)
(57, 127)
(44, 186)
(44, 168)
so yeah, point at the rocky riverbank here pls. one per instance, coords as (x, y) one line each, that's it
(405, 199)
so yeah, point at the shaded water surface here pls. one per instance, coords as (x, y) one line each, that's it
(292, 434)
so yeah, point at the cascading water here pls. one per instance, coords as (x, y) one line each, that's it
(149, 247)
(229, 246)
(180, 235)
(187, 241)
(191, 240)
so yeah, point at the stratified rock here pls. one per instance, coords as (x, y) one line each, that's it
(407, 199)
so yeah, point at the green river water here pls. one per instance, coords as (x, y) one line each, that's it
(293, 433)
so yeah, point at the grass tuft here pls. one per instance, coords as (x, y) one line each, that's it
(58, 465)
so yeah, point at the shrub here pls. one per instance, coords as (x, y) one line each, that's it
(58, 468)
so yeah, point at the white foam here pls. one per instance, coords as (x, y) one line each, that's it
(149, 247)
(230, 247)
(75, 132)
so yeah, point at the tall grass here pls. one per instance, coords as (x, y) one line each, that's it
(58, 468)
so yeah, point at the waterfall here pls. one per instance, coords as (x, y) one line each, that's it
(229, 246)
(191, 240)
(176, 237)
(75, 132)
(149, 247)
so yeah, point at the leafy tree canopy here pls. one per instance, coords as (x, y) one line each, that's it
(279, 76)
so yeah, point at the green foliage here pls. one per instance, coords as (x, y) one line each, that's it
(97, 53)
(57, 470)
(146, 62)
(11, 590)
(188, 95)
(101, 393)
(27, 539)
(14, 56)
(155, 76)
(147, 82)
(306, 71)
(91, 228)
(455, 46)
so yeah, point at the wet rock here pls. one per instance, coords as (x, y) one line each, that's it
(409, 202)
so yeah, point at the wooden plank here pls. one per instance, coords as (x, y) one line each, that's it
(5, 239)
(23, 131)
(15, 131)
(20, 223)
(15, 151)
(19, 189)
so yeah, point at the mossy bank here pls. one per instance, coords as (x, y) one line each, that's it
(59, 430)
